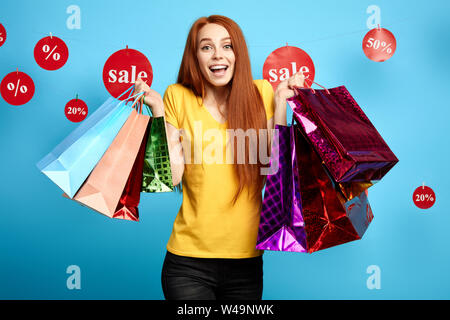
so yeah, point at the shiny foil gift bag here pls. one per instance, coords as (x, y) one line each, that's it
(157, 174)
(72, 160)
(330, 217)
(304, 209)
(127, 208)
(345, 139)
(281, 225)
(104, 187)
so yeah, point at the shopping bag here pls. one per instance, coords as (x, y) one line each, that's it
(157, 174)
(104, 187)
(71, 161)
(127, 208)
(347, 142)
(306, 210)
(281, 225)
(330, 218)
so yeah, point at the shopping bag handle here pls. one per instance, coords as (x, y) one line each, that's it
(131, 97)
(142, 102)
(129, 89)
(310, 87)
(139, 105)
(150, 113)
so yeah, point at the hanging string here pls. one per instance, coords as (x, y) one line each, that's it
(120, 44)
(335, 36)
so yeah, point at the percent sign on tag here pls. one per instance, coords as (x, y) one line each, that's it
(51, 53)
(76, 110)
(2, 35)
(424, 197)
(17, 88)
(379, 44)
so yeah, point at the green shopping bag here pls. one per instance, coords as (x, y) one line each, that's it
(157, 174)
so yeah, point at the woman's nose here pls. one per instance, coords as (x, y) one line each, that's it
(218, 53)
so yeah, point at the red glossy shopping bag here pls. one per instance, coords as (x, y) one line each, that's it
(330, 216)
(127, 208)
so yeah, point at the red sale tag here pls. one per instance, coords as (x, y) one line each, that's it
(17, 88)
(51, 53)
(76, 110)
(284, 62)
(379, 44)
(2, 35)
(123, 68)
(424, 197)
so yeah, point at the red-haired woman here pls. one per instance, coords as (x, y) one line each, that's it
(211, 252)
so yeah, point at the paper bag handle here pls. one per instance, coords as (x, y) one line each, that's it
(139, 105)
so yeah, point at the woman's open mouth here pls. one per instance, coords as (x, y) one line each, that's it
(218, 69)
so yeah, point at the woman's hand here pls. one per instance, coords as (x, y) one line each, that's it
(285, 89)
(154, 101)
(151, 98)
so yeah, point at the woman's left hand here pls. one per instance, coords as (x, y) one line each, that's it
(285, 89)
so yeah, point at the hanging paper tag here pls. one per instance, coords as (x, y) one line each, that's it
(284, 62)
(2, 35)
(17, 88)
(51, 53)
(379, 44)
(123, 68)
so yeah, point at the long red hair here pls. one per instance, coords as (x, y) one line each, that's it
(245, 108)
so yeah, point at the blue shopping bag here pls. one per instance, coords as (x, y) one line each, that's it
(70, 162)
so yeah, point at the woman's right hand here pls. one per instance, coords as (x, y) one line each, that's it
(154, 101)
(151, 97)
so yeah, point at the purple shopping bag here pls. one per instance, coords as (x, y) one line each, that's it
(281, 224)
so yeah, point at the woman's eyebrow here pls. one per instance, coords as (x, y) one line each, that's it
(209, 39)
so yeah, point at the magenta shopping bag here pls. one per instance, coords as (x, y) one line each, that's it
(281, 225)
(345, 139)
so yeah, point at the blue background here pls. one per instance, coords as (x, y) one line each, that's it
(406, 97)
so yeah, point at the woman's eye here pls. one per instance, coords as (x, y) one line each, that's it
(208, 47)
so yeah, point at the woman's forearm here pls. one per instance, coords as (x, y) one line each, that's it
(280, 112)
(158, 111)
(279, 118)
(285, 90)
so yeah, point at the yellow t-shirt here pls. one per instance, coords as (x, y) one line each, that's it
(208, 225)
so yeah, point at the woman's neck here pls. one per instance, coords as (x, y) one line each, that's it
(216, 96)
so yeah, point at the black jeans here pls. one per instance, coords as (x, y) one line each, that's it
(187, 278)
